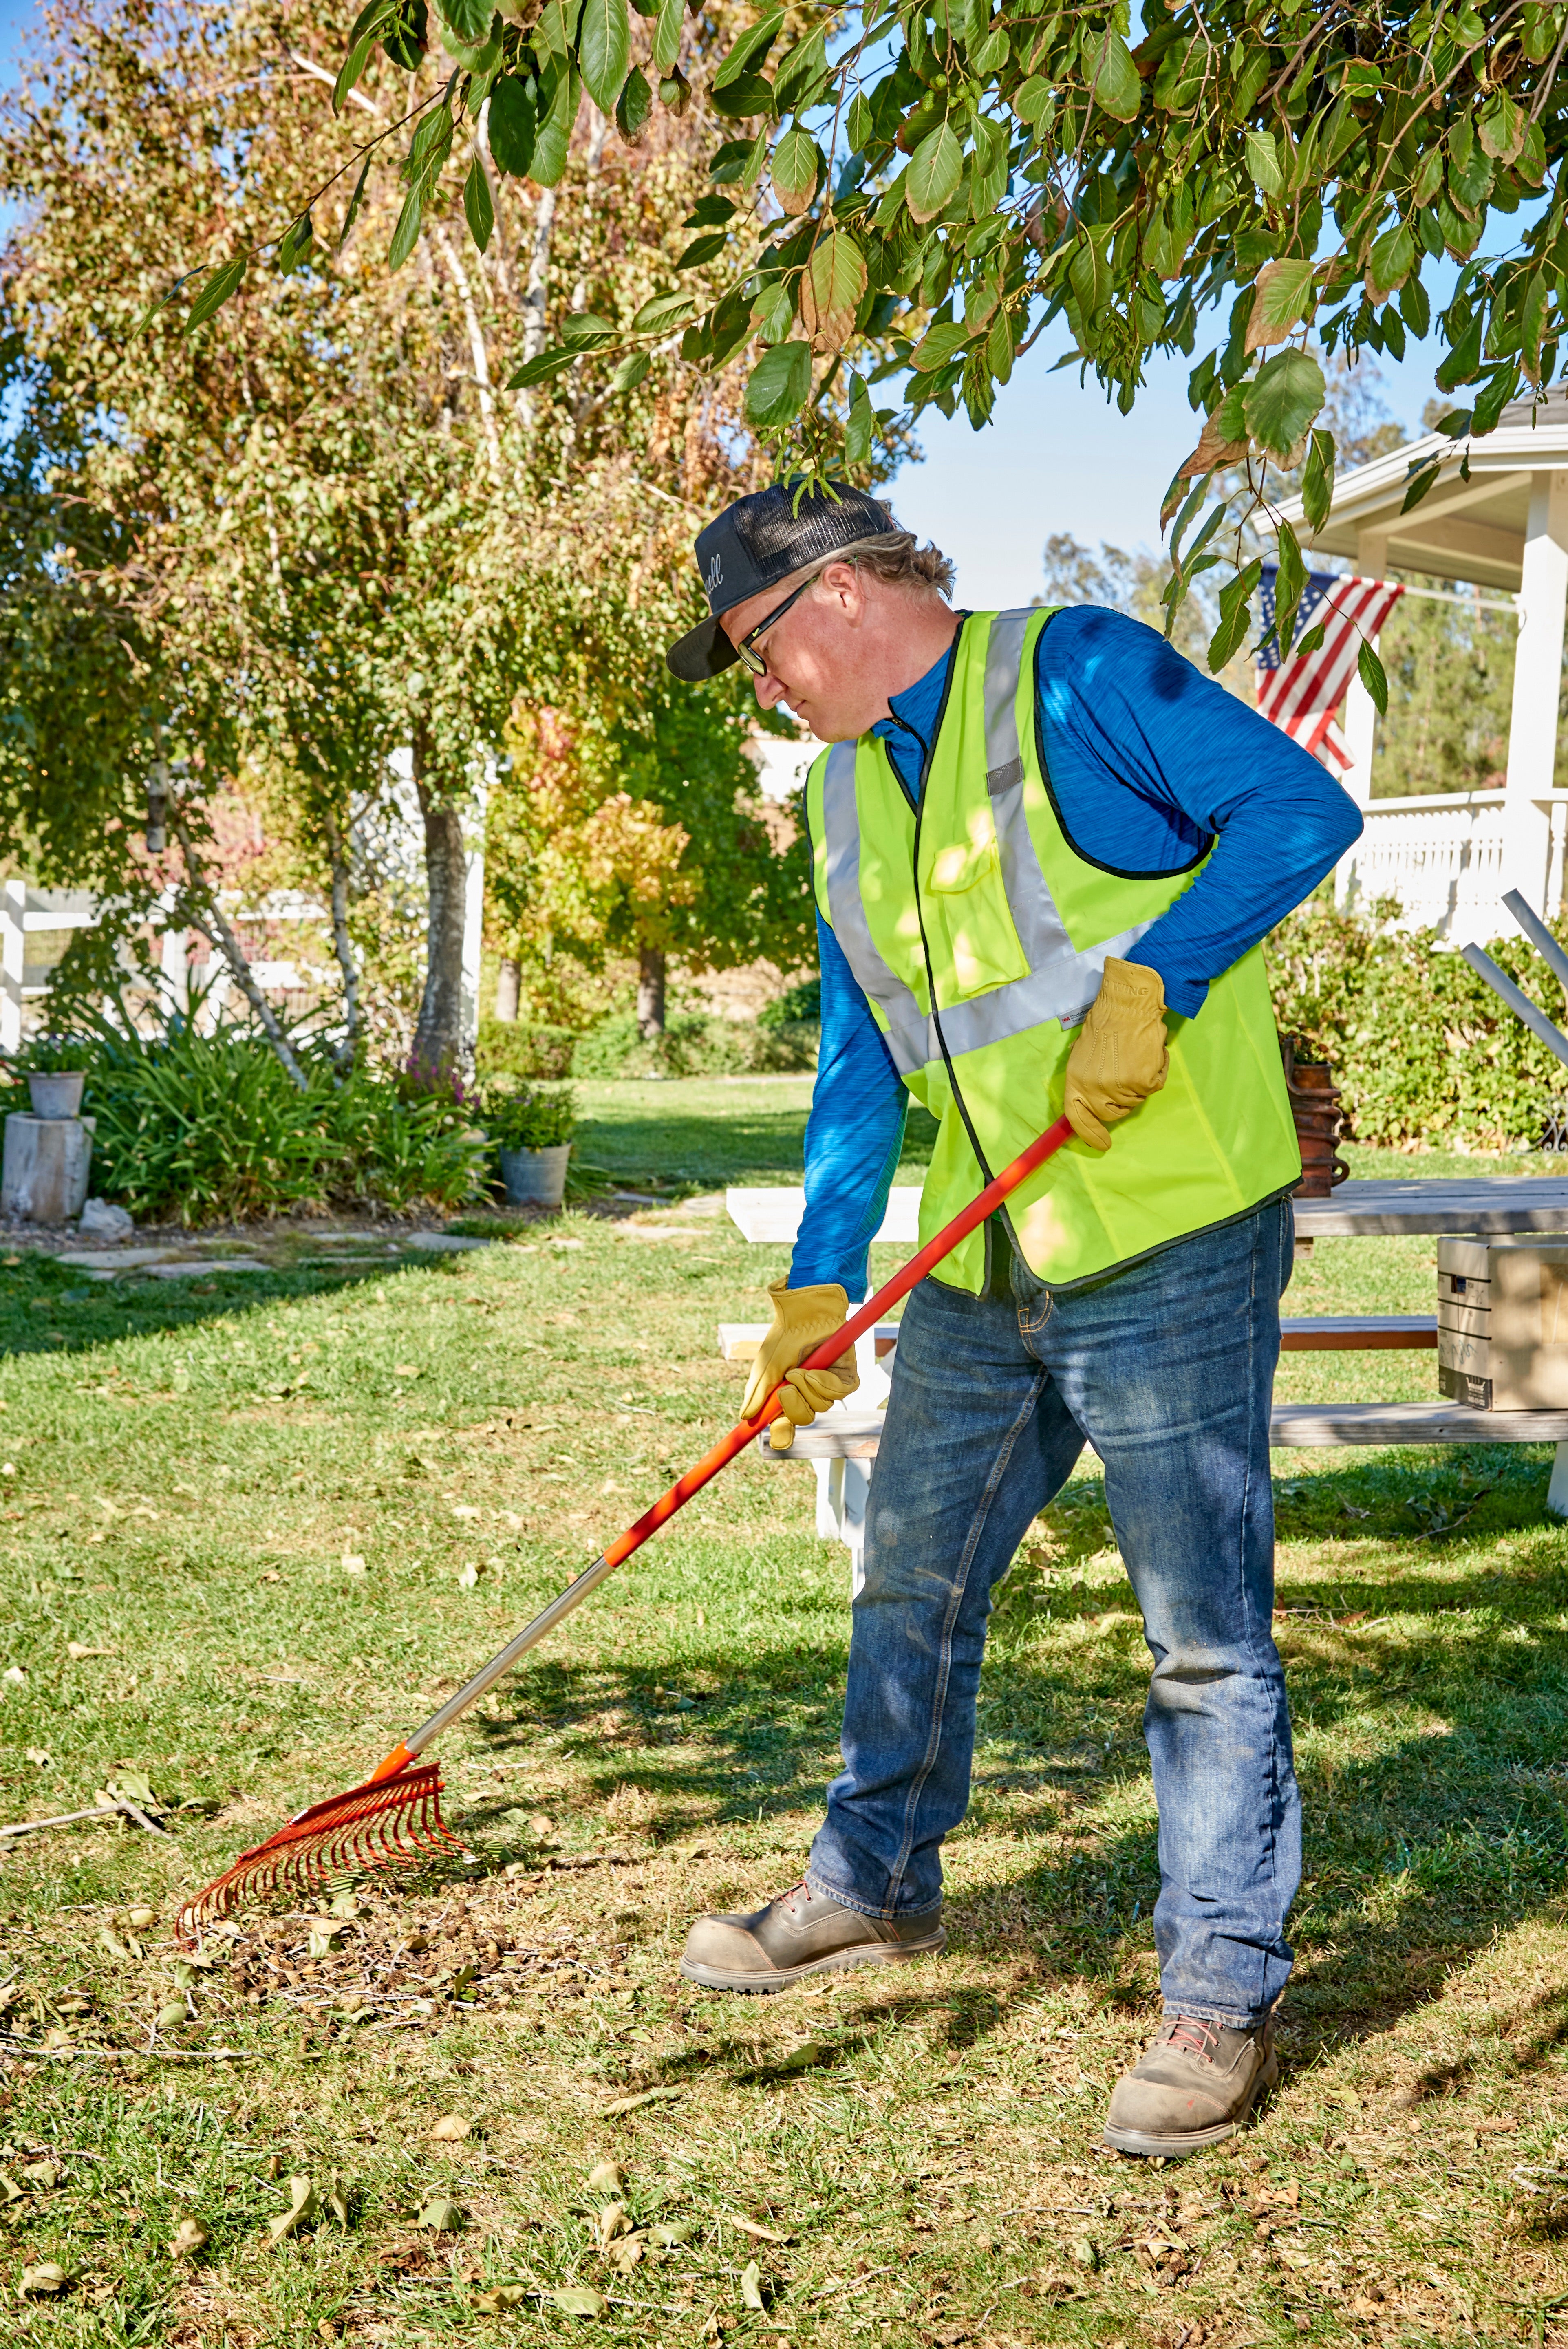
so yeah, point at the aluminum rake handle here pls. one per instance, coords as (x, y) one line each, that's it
(728, 1447)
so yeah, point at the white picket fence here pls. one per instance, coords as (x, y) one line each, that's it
(1449, 862)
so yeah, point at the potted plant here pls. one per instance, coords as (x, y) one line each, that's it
(56, 1069)
(532, 1133)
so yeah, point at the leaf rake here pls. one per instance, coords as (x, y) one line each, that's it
(392, 1825)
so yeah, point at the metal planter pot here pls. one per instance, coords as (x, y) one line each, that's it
(57, 1096)
(535, 1178)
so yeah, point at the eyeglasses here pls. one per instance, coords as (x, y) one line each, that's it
(746, 649)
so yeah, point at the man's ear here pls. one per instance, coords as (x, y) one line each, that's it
(843, 581)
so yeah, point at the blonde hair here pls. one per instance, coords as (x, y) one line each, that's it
(895, 559)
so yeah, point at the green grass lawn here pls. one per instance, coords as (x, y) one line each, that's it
(255, 1529)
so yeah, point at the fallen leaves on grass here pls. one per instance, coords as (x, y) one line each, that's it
(303, 2208)
(607, 2178)
(450, 2129)
(751, 2284)
(39, 2282)
(578, 2300)
(170, 2016)
(441, 2216)
(190, 2236)
(503, 2296)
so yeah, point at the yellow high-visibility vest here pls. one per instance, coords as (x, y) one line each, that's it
(979, 934)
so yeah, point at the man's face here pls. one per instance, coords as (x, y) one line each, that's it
(819, 655)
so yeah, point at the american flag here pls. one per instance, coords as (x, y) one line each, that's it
(1301, 695)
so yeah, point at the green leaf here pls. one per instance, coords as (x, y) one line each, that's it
(406, 235)
(667, 35)
(1282, 298)
(800, 75)
(1389, 263)
(859, 432)
(367, 29)
(1033, 99)
(1235, 599)
(553, 140)
(1317, 479)
(1289, 588)
(751, 94)
(585, 331)
(540, 370)
(633, 105)
(513, 125)
(934, 170)
(1088, 271)
(1282, 401)
(1263, 163)
(555, 35)
(773, 313)
(664, 311)
(675, 92)
(937, 346)
(860, 124)
(749, 50)
(1117, 86)
(604, 49)
(632, 371)
(477, 206)
(355, 201)
(778, 384)
(295, 247)
(1419, 482)
(223, 280)
(703, 248)
(1374, 676)
(797, 168)
(469, 20)
(1500, 127)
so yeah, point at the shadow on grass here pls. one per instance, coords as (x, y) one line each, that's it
(1418, 1852)
(47, 1308)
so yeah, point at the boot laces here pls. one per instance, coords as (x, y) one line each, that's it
(1191, 2036)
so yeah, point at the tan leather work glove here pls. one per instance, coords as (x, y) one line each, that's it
(802, 1318)
(1118, 1056)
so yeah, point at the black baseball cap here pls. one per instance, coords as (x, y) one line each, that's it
(758, 542)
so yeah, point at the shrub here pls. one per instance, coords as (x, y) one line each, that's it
(516, 1048)
(197, 1129)
(1423, 1051)
(693, 1045)
(526, 1120)
(798, 1007)
(54, 1056)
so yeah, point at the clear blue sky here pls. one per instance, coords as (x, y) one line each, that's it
(1053, 458)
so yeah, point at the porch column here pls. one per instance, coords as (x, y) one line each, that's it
(1361, 724)
(474, 907)
(1537, 682)
(12, 958)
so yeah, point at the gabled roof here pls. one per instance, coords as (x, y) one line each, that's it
(1470, 530)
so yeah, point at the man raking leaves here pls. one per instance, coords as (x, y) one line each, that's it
(1045, 851)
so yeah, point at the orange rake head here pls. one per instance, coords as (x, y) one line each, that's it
(394, 1827)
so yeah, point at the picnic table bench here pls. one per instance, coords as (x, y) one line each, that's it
(842, 1444)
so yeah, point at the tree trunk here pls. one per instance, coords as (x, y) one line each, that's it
(438, 1036)
(348, 1049)
(507, 988)
(650, 992)
(206, 916)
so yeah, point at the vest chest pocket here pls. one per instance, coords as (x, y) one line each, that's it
(969, 926)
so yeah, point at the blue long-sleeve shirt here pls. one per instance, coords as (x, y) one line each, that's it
(1148, 761)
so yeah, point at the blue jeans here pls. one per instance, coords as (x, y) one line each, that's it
(1167, 1369)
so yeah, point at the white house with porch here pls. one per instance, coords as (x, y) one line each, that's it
(1503, 532)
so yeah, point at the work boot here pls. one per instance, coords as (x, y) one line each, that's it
(1196, 2084)
(803, 1932)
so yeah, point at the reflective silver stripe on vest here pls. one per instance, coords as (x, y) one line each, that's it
(1062, 982)
(906, 1024)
